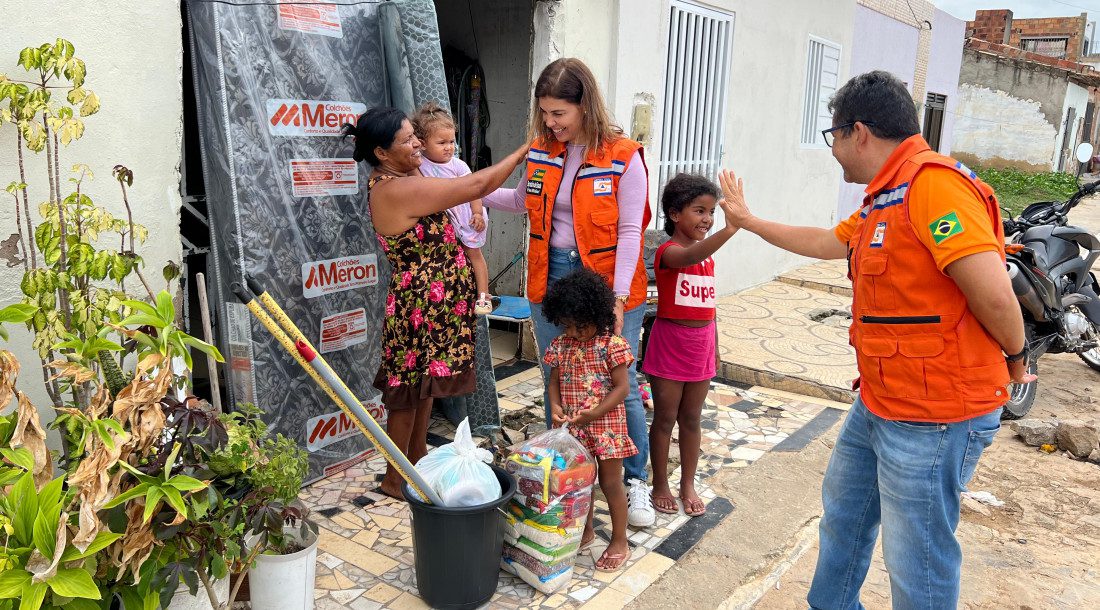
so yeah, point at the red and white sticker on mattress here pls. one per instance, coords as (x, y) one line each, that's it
(311, 18)
(321, 177)
(342, 330)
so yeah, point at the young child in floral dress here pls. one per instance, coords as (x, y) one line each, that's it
(588, 383)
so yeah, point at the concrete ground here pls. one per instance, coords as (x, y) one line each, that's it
(1037, 551)
(765, 454)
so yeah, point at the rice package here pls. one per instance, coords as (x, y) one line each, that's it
(554, 476)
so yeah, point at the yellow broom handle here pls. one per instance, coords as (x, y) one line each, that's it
(280, 336)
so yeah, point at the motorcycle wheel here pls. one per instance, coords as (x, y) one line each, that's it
(1092, 357)
(1021, 396)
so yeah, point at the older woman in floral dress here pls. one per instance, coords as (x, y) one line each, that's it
(428, 336)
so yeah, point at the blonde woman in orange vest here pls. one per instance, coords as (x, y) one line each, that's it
(586, 193)
(938, 336)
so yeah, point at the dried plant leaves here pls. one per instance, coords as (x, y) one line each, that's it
(28, 431)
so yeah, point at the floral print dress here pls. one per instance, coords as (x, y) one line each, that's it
(428, 333)
(584, 369)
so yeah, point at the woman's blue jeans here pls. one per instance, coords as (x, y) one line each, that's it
(908, 477)
(561, 263)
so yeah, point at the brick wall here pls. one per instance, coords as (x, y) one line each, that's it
(923, 11)
(1018, 53)
(991, 25)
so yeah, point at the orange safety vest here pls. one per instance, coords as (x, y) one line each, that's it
(595, 212)
(922, 355)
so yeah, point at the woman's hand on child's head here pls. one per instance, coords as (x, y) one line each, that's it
(733, 199)
(477, 221)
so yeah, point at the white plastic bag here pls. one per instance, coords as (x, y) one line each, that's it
(459, 472)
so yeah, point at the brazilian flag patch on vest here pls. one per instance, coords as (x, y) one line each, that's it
(945, 227)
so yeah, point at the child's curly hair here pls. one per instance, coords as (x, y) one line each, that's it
(581, 298)
(682, 190)
(429, 117)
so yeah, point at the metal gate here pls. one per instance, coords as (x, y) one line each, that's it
(700, 42)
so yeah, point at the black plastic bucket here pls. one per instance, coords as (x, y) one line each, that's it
(457, 549)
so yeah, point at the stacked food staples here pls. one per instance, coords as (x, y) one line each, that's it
(554, 476)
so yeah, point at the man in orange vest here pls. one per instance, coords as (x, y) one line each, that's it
(938, 336)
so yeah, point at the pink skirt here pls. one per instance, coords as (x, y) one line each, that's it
(680, 353)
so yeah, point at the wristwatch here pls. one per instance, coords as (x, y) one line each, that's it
(622, 298)
(1017, 357)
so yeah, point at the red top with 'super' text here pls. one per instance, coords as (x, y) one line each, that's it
(684, 293)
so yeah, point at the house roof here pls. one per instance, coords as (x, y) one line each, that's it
(1082, 74)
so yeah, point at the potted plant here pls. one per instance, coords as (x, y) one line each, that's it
(281, 537)
(248, 515)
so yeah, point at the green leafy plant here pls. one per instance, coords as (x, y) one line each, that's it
(1016, 189)
(75, 282)
(15, 313)
(162, 335)
(41, 562)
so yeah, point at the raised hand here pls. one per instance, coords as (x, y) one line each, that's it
(733, 199)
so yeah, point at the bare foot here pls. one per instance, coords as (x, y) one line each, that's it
(693, 504)
(391, 489)
(663, 502)
(587, 538)
(613, 558)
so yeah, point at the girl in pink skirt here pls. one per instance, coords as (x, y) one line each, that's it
(681, 354)
(436, 130)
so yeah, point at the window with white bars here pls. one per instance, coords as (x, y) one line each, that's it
(1051, 47)
(700, 41)
(822, 80)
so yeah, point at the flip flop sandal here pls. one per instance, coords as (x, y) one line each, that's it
(621, 557)
(673, 511)
(688, 506)
(484, 305)
(587, 545)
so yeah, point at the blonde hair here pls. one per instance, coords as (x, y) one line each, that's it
(429, 117)
(570, 80)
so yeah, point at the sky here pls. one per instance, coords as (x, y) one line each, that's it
(964, 9)
(1023, 9)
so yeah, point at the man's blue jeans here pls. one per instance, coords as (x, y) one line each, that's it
(908, 477)
(561, 263)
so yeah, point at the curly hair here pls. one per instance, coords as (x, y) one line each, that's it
(681, 191)
(429, 117)
(583, 297)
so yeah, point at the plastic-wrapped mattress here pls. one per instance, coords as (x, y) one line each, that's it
(273, 83)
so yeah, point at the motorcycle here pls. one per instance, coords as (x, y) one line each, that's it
(1055, 287)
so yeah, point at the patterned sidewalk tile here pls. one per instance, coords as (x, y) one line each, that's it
(826, 276)
(788, 337)
(365, 557)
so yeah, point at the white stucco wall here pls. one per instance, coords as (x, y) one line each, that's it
(879, 42)
(1077, 98)
(944, 62)
(134, 60)
(992, 124)
(625, 43)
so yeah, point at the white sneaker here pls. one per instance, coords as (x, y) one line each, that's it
(640, 511)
